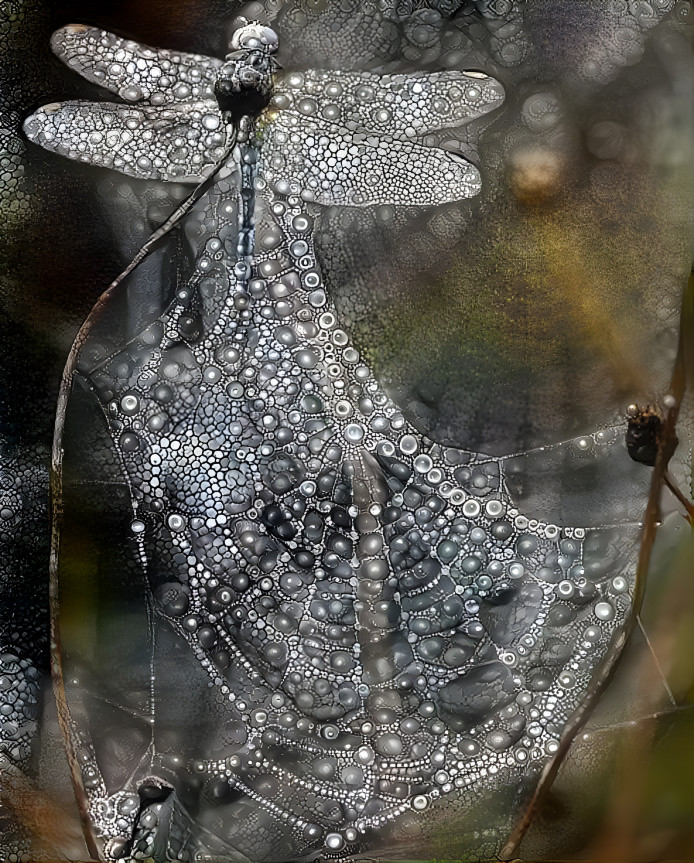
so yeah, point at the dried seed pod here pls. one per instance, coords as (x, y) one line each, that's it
(643, 433)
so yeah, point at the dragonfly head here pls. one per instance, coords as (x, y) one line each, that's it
(244, 83)
(254, 36)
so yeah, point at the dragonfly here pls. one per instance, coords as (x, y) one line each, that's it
(309, 631)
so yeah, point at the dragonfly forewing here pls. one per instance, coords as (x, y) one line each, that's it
(136, 73)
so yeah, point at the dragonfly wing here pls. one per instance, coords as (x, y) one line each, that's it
(180, 143)
(408, 106)
(135, 72)
(331, 165)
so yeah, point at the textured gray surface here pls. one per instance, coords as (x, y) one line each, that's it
(365, 645)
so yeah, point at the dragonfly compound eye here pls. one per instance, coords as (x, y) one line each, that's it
(255, 36)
